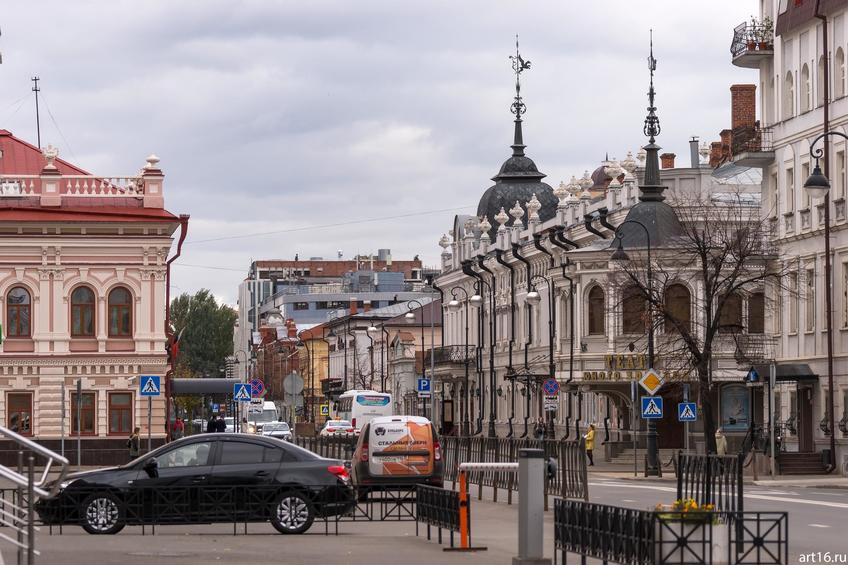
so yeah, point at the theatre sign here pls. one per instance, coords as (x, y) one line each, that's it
(622, 368)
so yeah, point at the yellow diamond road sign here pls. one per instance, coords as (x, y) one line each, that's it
(651, 381)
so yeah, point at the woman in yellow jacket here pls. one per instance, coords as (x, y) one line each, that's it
(590, 443)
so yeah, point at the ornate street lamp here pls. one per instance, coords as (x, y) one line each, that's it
(409, 318)
(454, 306)
(370, 333)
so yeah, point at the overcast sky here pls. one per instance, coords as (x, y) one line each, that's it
(309, 115)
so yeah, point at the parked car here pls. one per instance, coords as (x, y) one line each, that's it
(206, 478)
(279, 430)
(398, 451)
(231, 424)
(337, 428)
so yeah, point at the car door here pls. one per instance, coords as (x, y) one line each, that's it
(172, 492)
(242, 478)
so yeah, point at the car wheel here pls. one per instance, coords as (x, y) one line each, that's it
(292, 514)
(102, 513)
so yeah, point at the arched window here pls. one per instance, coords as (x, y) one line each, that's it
(18, 310)
(633, 306)
(788, 109)
(678, 307)
(806, 89)
(120, 313)
(82, 312)
(839, 68)
(757, 313)
(596, 311)
(730, 319)
(820, 83)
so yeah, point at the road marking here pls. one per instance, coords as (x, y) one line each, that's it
(627, 500)
(755, 496)
(818, 526)
(773, 492)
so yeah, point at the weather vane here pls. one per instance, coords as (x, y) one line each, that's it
(519, 65)
(652, 122)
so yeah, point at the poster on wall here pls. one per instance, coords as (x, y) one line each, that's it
(734, 407)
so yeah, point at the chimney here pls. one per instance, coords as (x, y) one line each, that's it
(726, 137)
(693, 152)
(366, 305)
(743, 107)
(353, 309)
(667, 160)
(292, 326)
(715, 154)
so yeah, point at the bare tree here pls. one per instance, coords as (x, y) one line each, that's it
(722, 254)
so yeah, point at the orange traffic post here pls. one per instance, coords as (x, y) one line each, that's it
(464, 541)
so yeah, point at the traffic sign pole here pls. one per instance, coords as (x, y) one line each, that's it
(686, 423)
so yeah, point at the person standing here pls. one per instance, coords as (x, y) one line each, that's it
(134, 442)
(589, 436)
(721, 442)
(179, 428)
(220, 425)
(211, 426)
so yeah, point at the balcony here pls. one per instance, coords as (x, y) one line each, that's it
(450, 354)
(752, 146)
(753, 42)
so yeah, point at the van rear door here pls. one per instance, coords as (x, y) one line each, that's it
(400, 449)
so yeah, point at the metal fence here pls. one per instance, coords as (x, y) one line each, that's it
(439, 508)
(711, 479)
(642, 537)
(566, 462)
(332, 447)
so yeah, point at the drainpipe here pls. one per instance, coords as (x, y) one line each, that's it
(828, 273)
(602, 217)
(169, 334)
(466, 268)
(516, 252)
(587, 223)
(537, 242)
(432, 348)
(559, 232)
(499, 253)
(493, 406)
(557, 241)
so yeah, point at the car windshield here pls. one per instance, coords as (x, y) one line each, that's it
(338, 424)
(229, 421)
(276, 426)
(264, 416)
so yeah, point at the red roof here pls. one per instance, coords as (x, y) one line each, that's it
(99, 214)
(22, 158)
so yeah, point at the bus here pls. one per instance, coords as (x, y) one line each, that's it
(359, 406)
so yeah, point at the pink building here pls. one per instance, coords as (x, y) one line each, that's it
(83, 295)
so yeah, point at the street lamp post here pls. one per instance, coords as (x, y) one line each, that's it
(534, 299)
(818, 186)
(620, 255)
(454, 305)
(370, 333)
(409, 317)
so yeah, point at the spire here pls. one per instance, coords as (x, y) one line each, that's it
(651, 188)
(519, 65)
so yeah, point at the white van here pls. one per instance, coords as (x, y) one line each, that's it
(256, 418)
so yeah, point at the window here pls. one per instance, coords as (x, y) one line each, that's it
(773, 192)
(845, 295)
(788, 96)
(730, 319)
(120, 413)
(778, 319)
(757, 313)
(192, 455)
(633, 311)
(301, 305)
(810, 300)
(120, 313)
(19, 414)
(839, 79)
(820, 83)
(18, 310)
(790, 189)
(678, 307)
(596, 311)
(806, 89)
(241, 453)
(87, 413)
(805, 174)
(839, 177)
(82, 312)
(793, 302)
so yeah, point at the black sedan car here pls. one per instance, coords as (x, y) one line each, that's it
(205, 479)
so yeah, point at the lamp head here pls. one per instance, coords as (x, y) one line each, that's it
(454, 305)
(409, 317)
(476, 300)
(533, 298)
(620, 255)
(372, 330)
(817, 184)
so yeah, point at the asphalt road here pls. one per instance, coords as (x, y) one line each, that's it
(816, 518)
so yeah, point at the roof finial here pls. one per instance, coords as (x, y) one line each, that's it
(652, 189)
(519, 65)
(652, 122)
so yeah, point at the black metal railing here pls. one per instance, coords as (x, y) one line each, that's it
(567, 475)
(751, 139)
(332, 447)
(450, 354)
(752, 36)
(711, 479)
(640, 537)
(439, 508)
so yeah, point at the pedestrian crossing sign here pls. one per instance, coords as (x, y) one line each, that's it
(149, 385)
(241, 392)
(687, 412)
(652, 407)
(325, 409)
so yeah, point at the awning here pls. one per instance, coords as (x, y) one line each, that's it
(788, 372)
(203, 386)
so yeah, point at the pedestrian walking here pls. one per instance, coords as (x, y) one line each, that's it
(589, 436)
(134, 442)
(539, 430)
(179, 428)
(721, 442)
(220, 425)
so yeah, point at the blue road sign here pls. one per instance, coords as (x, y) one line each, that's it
(216, 407)
(652, 407)
(149, 386)
(241, 392)
(423, 385)
(687, 412)
(551, 387)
